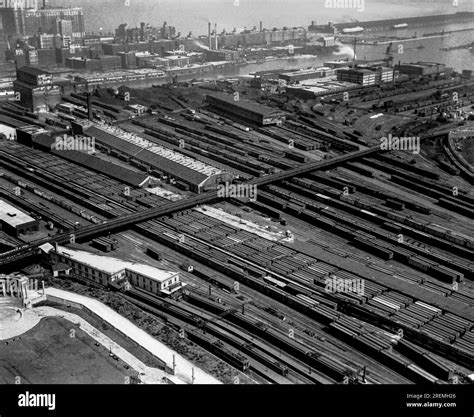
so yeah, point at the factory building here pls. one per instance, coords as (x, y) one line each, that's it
(28, 135)
(102, 63)
(421, 69)
(307, 74)
(161, 161)
(244, 110)
(128, 59)
(383, 75)
(172, 61)
(311, 89)
(359, 76)
(114, 272)
(222, 55)
(15, 222)
(255, 37)
(36, 90)
(130, 78)
(92, 163)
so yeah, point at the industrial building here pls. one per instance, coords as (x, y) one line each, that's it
(132, 78)
(421, 69)
(149, 156)
(117, 172)
(222, 55)
(360, 76)
(103, 63)
(307, 74)
(247, 38)
(108, 271)
(310, 89)
(30, 134)
(15, 222)
(144, 33)
(245, 110)
(383, 75)
(36, 90)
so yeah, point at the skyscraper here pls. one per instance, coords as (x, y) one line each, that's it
(21, 4)
(64, 27)
(28, 22)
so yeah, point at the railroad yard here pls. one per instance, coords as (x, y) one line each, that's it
(349, 264)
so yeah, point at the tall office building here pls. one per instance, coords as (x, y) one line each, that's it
(21, 4)
(28, 22)
(64, 27)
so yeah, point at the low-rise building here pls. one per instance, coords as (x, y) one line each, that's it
(307, 74)
(137, 108)
(421, 69)
(14, 221)
(116, 273)
(360, 76)
(245, 110)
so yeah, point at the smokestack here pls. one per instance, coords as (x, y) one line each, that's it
(89, 107)
(209, 35)
(44, 4)
(261, 26)
(215, 36)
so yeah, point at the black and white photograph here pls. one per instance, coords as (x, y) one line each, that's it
(221, 198)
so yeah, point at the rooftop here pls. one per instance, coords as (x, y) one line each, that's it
(165, 159)
(111, 265)
(33, 71)
(247, 105)
(125, 175)
(13, 216)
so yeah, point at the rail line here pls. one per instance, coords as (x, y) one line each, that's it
(143, 216)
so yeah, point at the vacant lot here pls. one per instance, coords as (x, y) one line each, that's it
(49, 354)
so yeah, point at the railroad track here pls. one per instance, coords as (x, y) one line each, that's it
(199, 319)
(172, 207)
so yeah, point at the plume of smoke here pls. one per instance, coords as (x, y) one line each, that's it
(344, 50)
(201, 45)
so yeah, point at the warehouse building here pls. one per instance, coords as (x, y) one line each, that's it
(245, 111)
(222, 55)
(108, 271)
(307, 74)
(131, 78)
(27, 135)
(359, 76)
(421, 69)
(149, 156)
(15, 222)
(117, 172)
(383, 75)
(36, 90)
(311, 89)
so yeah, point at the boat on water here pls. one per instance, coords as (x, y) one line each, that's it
(356, 29)
(400, 26)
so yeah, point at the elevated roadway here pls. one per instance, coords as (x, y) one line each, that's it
(128, 220)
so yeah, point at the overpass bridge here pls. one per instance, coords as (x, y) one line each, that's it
(128, 220)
